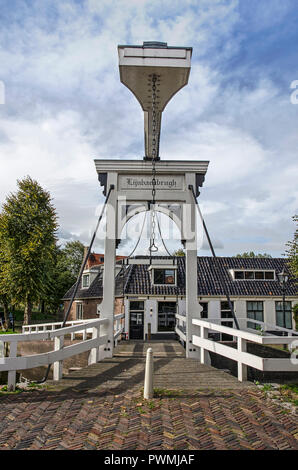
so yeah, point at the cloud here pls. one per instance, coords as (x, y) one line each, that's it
(65, 106)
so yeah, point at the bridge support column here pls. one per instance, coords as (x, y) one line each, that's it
(189, 231)
(108, 302)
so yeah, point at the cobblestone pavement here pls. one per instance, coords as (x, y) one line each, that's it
(101, 407)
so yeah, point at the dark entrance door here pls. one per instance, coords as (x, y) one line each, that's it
(136, 320)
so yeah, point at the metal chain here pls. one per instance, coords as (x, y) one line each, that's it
(153, 247)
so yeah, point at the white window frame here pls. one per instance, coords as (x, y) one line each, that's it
(79, 311)
(164, 268)
(84, 277)
(232, 272)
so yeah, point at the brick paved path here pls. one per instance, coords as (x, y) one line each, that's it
(101, 407)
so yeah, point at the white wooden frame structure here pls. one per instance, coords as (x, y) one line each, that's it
(97, 345)
(240, 355)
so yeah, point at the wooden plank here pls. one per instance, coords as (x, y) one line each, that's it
(28, 362)
(279, 365)
(231, 353)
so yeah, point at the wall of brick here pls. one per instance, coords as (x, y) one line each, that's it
(90, 308)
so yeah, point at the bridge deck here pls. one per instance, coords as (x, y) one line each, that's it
(125, 371)
(101, 407)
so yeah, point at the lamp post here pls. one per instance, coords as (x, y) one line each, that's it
(283, 279)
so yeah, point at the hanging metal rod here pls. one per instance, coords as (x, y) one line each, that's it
(221, 281)
(80, 274)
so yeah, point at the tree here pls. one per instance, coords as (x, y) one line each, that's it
(4, 300)
(252, 255)
(179, 252)
(68, 261)
(28, 225)
(292, 251)
(295, 312)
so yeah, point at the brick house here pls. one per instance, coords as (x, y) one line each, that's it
(153, 296)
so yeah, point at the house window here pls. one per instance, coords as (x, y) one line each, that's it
(260, 275)
(225, 312)
(269, 275)
(283, 320)
(250, 275)
(253, 275)
(239, 275)
(79, 311)
(204, 312)
(85, 280)
(166, 316)
(255, 310)
(164, 276)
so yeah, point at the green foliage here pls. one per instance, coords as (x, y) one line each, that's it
(179, 252)
(28, 226)
(292, 251)
(4, 297)
(251, 254)
(295, 311)
(267, 387)
(71, 258)
(292, 387)
(163, 392)
(68, 261)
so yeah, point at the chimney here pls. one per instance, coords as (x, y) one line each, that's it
(86, 248)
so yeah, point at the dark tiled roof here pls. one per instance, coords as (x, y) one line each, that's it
(96, 288)
(212, 275)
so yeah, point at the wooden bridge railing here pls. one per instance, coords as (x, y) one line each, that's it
(240, 355)
(14, 363)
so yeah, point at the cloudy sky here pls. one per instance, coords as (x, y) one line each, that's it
(65, 105)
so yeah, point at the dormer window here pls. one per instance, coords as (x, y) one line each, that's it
(164, 276)
(252, 275)
(85, 281)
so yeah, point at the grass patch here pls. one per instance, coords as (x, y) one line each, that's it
(289, 393)
(141, 410)
(8, 332)
(35, 385)
(4, 390)
(19, 389)
(292, 387)
(267, 388)
(165, 393)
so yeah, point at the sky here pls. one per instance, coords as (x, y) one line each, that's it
(62, 106)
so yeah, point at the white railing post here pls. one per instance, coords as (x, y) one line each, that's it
(242, 368)
(11, 382)
(117, 329)
(149, 371)
(204, 352)
(58, 365)
(94, 352)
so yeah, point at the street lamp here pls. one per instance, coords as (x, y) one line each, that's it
(283, 278)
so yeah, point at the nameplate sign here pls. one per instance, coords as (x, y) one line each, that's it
(163, 182)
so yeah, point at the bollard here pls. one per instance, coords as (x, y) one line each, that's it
(148, 385)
